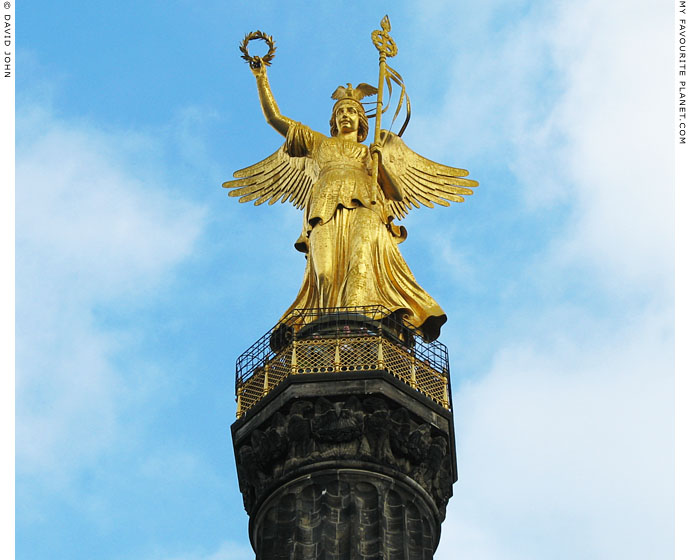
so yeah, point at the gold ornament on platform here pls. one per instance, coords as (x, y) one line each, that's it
(351, 194)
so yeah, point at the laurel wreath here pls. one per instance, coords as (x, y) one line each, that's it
(255, 61)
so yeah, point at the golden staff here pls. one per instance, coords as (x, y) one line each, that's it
(387, 48)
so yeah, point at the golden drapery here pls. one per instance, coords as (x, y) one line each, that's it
(351, 244)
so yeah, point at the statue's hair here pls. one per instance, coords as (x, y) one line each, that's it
(362, 129)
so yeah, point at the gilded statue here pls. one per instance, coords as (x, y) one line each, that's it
(351, 194)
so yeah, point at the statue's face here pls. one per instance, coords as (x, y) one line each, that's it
(346, 118)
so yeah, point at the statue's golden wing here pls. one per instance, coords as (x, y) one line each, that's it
(278, 177)
(420, 180)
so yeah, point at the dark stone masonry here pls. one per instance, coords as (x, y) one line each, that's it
(355, 465)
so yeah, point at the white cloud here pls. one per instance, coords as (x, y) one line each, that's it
(619, 147)
(94, 228)
(88, 218)
(568, 439)
(566, 444)
(573, 98)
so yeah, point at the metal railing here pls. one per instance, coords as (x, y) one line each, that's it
(337, 341)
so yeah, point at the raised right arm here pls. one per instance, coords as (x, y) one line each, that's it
(268, 102)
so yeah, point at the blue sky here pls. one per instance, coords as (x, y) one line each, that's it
(139, 282)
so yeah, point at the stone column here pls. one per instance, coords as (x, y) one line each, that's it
(345, 466)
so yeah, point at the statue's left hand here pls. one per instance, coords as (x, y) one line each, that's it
(375, 148)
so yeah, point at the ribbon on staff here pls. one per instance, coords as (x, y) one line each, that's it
(392, 76)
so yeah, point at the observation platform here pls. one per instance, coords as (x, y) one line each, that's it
(342, 341)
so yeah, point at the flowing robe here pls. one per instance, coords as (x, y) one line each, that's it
(351, 243)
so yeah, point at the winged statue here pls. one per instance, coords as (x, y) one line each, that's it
(351, 194)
